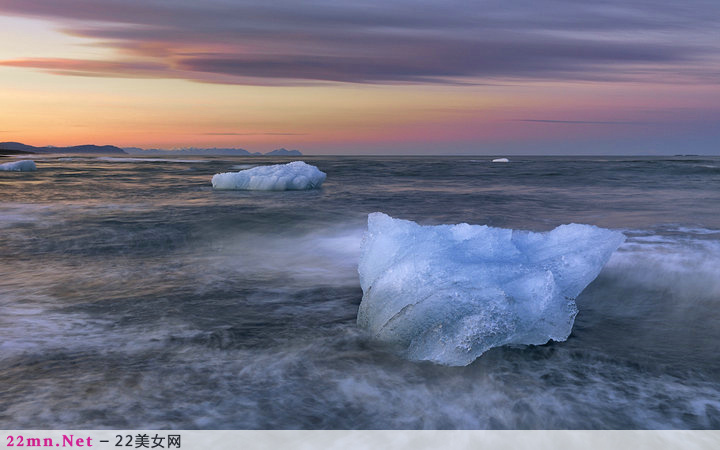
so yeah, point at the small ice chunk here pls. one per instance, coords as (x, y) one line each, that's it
(280, 177)
(500, 160)
(19, 166)
(448, 293)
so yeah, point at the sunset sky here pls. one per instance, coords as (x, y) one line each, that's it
(364, 77)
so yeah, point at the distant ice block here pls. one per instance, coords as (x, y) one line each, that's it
(19, 166)
(280, 177)
(500, 160)
(448, 293)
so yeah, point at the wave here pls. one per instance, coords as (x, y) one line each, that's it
(118, 159)
(240, 317)
(659, 298)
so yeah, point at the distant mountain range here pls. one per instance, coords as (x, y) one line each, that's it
(190, 152)
(209, 152)
(284, 152)
(105, 149)
(111, 149)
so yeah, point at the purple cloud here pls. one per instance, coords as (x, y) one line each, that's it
(255, 134)
(586, 122)
(63, 66)
(402, 41)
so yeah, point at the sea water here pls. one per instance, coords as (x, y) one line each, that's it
(133, 295)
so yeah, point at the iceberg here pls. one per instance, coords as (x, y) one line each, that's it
(448, 293)
(19, 166)
(280, 177)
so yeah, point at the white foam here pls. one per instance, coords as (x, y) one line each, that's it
(243, 166)
(296, 175)
(12, 214)
(687, 269)
(697, 230)
(326, 256)
(501, 160)
(19, 166)
(449, 293)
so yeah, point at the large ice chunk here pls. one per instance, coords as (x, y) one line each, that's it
(280, 177)
(19, 166)
(448, 293)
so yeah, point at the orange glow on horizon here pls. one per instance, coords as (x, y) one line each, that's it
(41, 108)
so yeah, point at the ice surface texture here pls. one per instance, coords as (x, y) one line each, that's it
(448, 293)
(18, 166)
(280, 177)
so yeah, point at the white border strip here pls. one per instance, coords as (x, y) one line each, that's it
(361, 440)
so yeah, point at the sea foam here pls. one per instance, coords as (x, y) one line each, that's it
(296, 175)
(449, 293)
(19, 166)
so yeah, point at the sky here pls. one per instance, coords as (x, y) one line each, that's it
(530, 77)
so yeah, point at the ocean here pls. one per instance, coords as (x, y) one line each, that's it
(133, 295)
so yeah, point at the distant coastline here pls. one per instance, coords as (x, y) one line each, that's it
(209, 152)
(18, 148)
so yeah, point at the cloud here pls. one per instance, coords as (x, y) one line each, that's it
(64, 66)
(255, 134)
(401, 41)
(584, 122)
